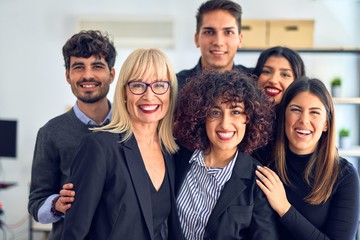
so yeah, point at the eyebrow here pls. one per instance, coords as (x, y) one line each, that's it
(231, 107)
(213, 28)
(96, 63)
(283, 69)
(312, 108)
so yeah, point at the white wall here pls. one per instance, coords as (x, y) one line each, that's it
(32, 83)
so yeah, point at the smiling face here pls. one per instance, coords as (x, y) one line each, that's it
(275, 77)
(218, 39)
(305, 122)
(90, 78)
(147, 108)
(225, 126)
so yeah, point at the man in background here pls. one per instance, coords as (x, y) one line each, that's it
(218, 35)
(89, 62)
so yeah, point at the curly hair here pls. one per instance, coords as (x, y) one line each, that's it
(87, 43)
(201, 92)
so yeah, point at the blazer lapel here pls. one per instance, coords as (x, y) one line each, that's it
(140, 181)
(233, 188)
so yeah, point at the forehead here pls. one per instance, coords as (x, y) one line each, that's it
(91, 59)
(278, 62)
(150, 72)
(307, 100)
(218, 19)
(225, 103)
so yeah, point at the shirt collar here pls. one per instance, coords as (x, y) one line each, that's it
(88, 121)
(221, 174)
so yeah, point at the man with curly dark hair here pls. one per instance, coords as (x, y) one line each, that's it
(223, 117)
(89, 58)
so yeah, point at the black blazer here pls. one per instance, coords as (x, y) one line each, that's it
(112, 191)
(242, 210)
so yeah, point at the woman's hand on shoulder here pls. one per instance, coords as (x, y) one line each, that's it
(270, 183)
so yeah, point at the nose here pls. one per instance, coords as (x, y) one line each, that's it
(225, 121)
(273, 78)
(304, 119)
(218, 39)
(148, 94)
(88, 73)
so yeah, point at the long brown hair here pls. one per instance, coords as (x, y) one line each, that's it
(323, 168)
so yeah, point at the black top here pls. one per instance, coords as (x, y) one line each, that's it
(161, 207)
(337, 218)
(185, 74)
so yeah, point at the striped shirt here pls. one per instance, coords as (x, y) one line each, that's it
(199, 193)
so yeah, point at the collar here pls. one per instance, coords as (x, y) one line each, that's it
(221, 174)
(88, 121)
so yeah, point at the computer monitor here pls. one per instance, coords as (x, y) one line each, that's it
(8, 129)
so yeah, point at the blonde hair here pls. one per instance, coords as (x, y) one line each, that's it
(141, 64)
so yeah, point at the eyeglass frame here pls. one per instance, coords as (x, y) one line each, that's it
(148, 85)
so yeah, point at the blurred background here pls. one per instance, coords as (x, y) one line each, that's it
(33, 88)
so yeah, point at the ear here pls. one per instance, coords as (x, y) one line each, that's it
(67, 75)
(196, 38)
(325, 128)
(241, 39)
(112, 75)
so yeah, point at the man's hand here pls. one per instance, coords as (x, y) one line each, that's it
(67, 197)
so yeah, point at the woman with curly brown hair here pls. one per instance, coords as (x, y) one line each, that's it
(222, 117)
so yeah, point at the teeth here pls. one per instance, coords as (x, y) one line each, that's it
(88, 85)
(303, 131)
(226, 134)
(272, 90)
(149, 108)
(217, 52)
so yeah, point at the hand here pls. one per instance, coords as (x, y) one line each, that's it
(67, 197)
(273, 189)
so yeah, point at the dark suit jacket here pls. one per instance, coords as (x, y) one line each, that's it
(242, 210)
(112, 191)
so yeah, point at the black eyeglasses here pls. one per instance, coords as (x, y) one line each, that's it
(138, 88)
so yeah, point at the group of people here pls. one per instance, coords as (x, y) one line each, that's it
(239, 153)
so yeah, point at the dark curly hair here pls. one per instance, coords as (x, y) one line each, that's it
(88, 43)
(201, 92)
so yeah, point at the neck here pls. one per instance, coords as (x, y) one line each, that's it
(146, 134)
(96, 111)
(218, 159)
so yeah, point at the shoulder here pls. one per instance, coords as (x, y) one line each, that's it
(67, 119)
(103, 138)
(244, 69)
(347, 170)
(187, 73)
(245, 165)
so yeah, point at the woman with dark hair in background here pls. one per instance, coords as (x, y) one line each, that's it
(315, 192)
(277, 68)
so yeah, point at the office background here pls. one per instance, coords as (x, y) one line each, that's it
(33, 88)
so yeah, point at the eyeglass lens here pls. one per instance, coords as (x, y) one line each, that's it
(138, 88)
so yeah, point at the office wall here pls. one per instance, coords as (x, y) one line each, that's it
(32, 79)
